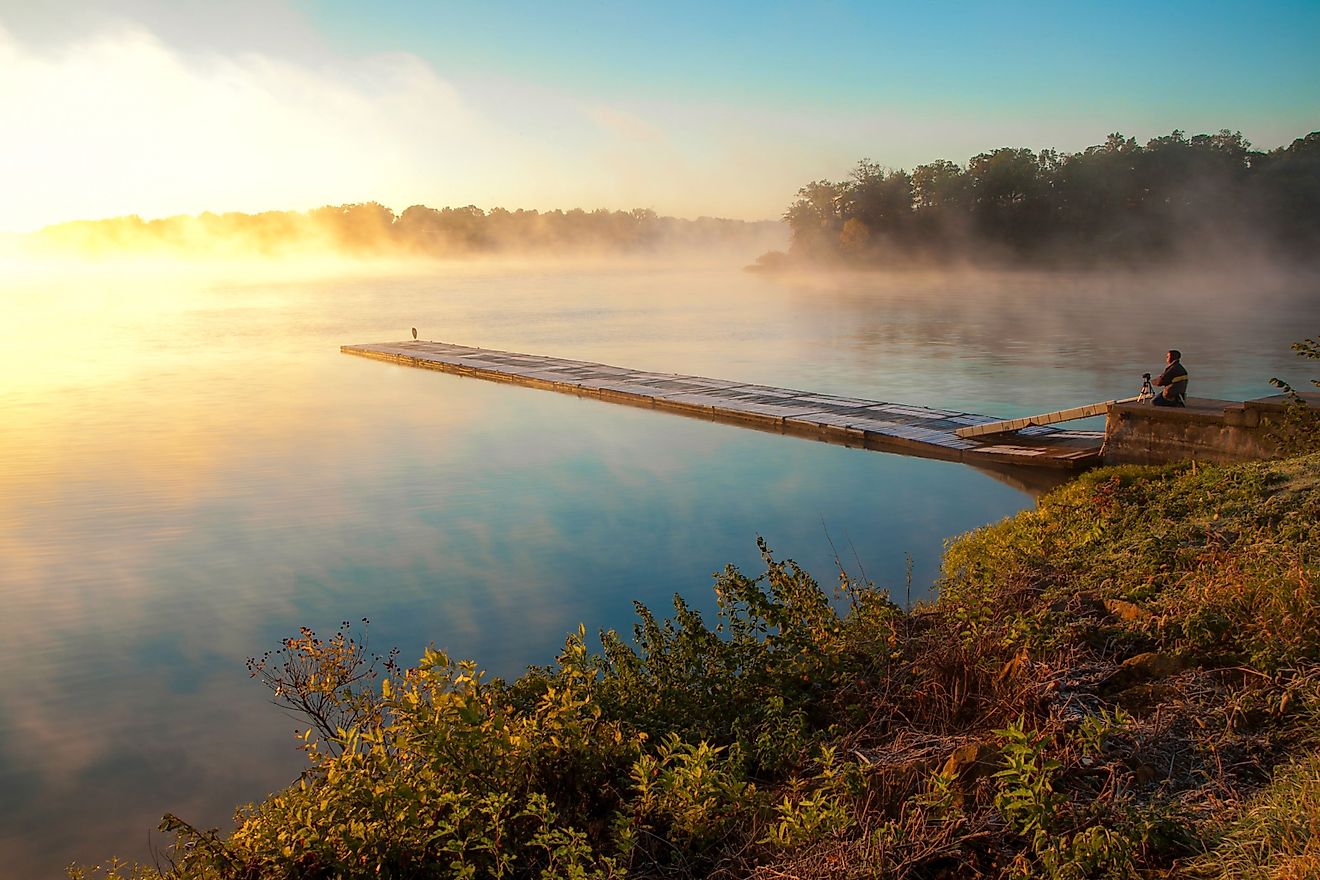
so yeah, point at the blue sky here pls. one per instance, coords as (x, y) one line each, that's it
(950, 55)
(178, 106)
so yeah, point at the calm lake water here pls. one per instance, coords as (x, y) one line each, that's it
(190, 470)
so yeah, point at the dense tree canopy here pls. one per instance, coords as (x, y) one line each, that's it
(371, 228)
(1116, 200)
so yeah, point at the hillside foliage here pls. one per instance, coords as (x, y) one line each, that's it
(1105, 687)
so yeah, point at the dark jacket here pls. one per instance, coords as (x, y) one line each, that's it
(1174, 382)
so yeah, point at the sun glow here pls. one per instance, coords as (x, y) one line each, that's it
(122, 124)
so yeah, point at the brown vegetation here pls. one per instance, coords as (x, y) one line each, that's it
(1123, 682)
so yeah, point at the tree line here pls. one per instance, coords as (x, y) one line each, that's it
(1114, 201)
(371, 229)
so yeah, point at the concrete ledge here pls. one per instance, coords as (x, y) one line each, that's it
(1205, 430)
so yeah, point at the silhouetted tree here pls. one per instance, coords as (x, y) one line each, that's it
(1117, 199)
(816, 218)
(1289, 191)
(1007, 189)
(876, 204)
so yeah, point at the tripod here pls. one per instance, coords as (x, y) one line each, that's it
(1147, 392)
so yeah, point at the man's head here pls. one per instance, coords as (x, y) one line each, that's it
(1173, 355)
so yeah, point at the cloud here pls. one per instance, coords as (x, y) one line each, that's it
(117, 120)
(120, 123)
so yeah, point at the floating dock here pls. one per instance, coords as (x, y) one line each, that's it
(847, 421)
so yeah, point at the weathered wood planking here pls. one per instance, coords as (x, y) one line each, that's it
(1049, 418)
(849, 421)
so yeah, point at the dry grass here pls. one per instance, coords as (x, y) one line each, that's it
(1219, 581)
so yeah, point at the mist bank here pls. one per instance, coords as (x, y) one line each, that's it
(1210, 197)
(372, 230)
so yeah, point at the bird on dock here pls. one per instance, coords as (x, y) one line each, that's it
(414, 333)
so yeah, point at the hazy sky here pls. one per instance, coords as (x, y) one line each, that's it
(161, 107)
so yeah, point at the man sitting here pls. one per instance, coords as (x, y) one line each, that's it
(1173, 380)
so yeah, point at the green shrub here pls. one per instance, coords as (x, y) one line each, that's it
(1298, 431)
(641, 757)
(765, 677)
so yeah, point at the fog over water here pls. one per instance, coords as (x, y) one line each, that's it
(190, 469)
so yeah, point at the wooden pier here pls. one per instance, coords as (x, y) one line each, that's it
(848, 421)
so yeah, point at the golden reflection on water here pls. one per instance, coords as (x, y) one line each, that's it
(145, 445)
(133, 419)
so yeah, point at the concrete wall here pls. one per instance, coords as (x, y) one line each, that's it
(1206, 430)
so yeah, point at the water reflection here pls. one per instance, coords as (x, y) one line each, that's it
(189, 470)
(1014, 343)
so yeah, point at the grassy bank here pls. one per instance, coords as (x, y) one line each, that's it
(1122, 682)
